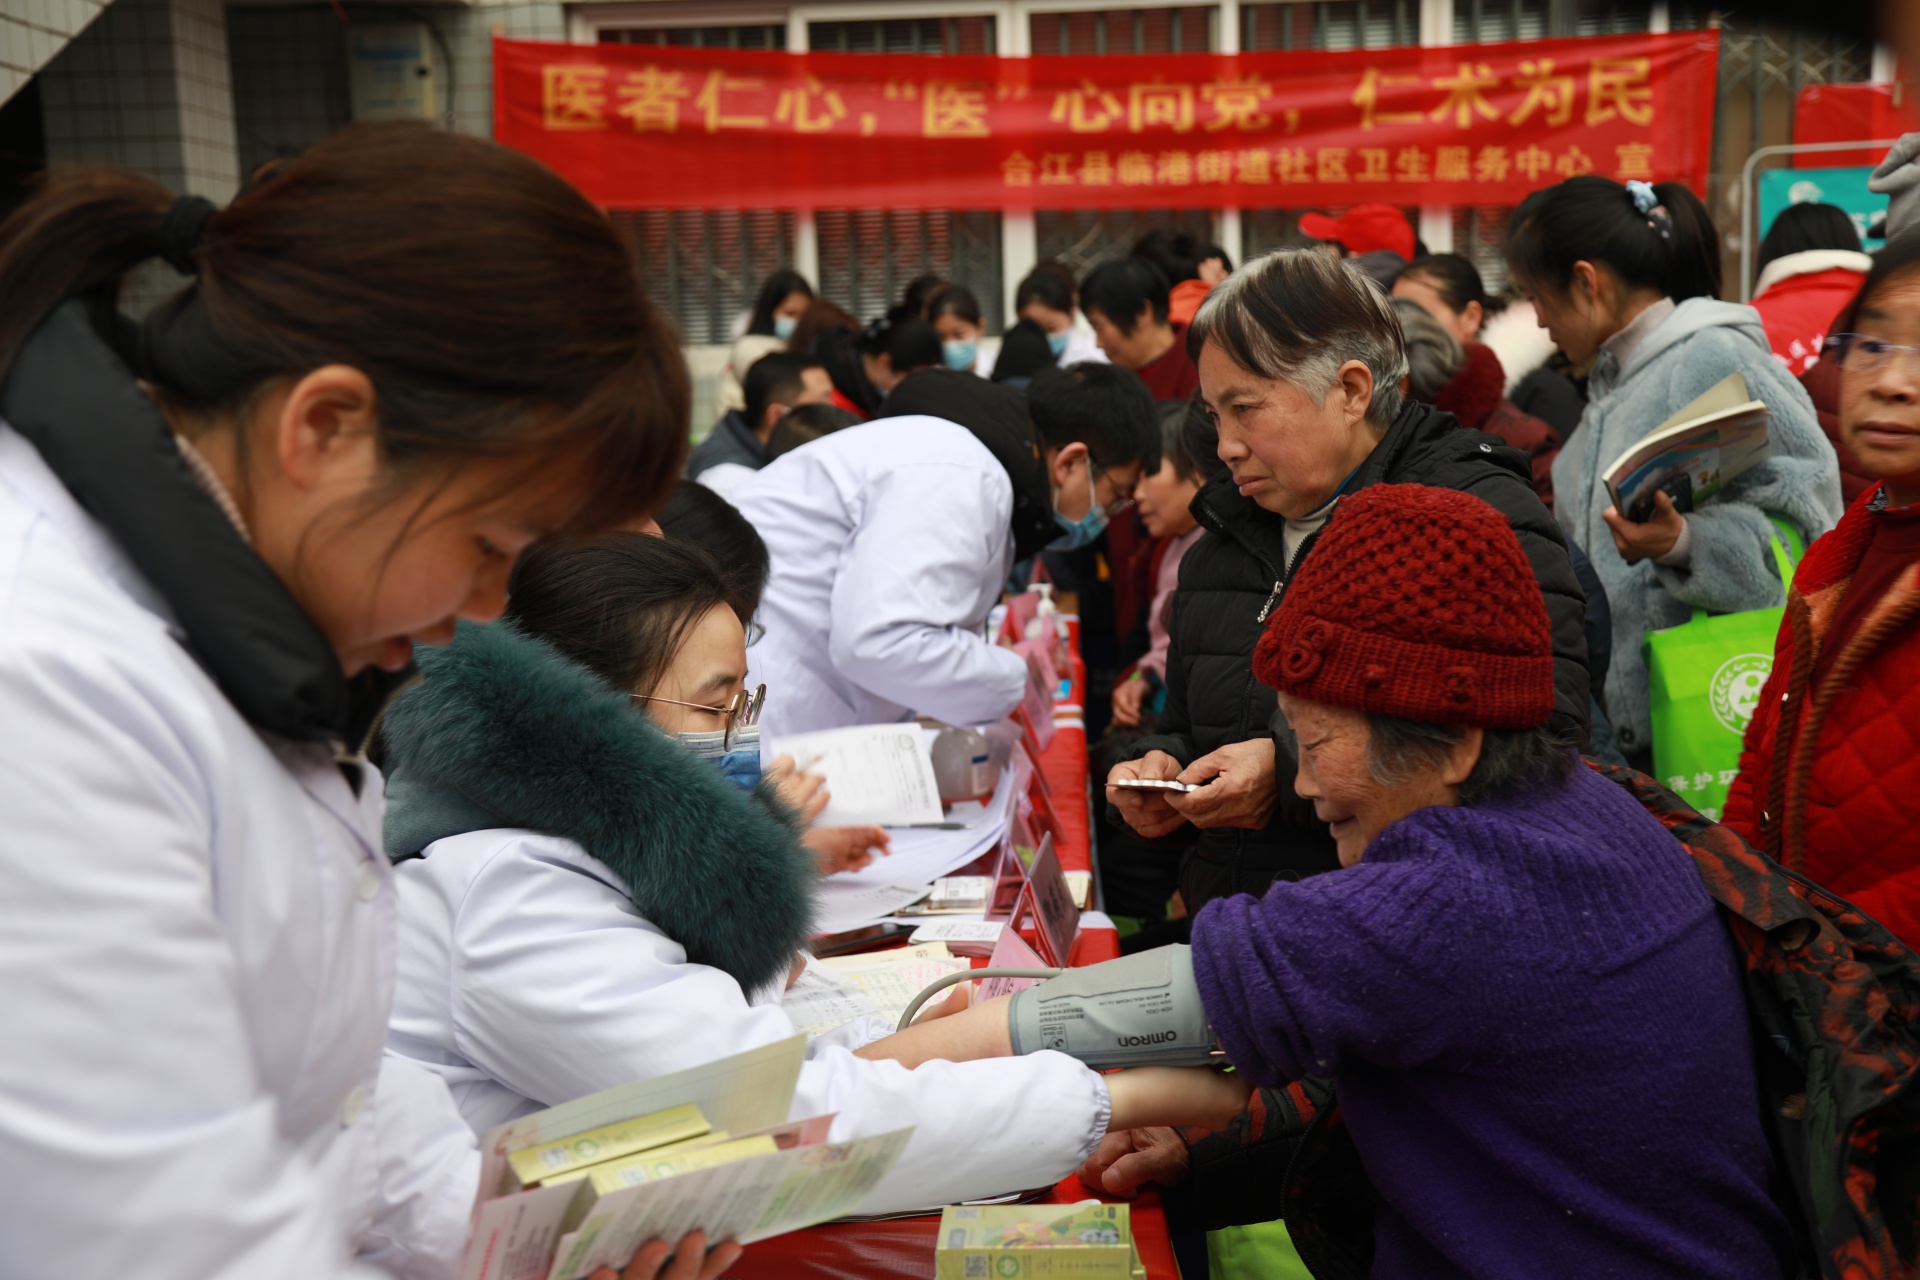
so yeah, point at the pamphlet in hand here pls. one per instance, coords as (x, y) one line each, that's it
(1154, 784)
(879, 774)
(582, 1185)
(1692, 455)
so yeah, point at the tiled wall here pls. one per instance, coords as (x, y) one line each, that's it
(470, 31)
(148, 86)
(33, 31)
(289, 80)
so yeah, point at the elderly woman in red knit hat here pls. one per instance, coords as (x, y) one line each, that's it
(1530, 1012)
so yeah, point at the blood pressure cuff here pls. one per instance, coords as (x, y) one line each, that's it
(1139, 1011)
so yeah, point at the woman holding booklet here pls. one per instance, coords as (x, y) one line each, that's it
(400, 359)
(1628, 277)
(593, 903)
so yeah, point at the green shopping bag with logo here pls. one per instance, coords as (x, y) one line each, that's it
(1705, 677)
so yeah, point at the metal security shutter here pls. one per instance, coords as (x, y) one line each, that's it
(1181, 30)
(867, 256)
(903, 35)
(703, 266)
(1491, 21)
(1085, 238)
(755, 37)
(1332, 25)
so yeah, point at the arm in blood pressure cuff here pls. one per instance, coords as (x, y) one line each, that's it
(1139, 1011)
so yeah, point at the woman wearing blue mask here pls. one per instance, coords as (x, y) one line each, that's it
(777, 308)
(592, 904)
(955, 315)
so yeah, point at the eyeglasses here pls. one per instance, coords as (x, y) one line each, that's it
(1864, 353)
(1119, 504)
(741, 711)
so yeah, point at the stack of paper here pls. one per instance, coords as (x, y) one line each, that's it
(587, 1211)
(916, 860)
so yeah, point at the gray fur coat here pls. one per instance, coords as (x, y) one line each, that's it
(1732, 566)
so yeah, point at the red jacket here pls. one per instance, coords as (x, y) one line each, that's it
(1829, 781)
(1474, 398)
(1799, 297)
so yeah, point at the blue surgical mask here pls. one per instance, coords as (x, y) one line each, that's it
(959, 355)
(1057, 343)
(740, 762)
(1084, 531)
(783, 327)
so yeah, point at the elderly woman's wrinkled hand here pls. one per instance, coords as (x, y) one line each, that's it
(1147, 812)
(1236, 787)
(1129, 1159)
(1650, 540)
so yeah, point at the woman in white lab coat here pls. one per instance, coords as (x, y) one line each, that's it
(220, 536)
(594, 904)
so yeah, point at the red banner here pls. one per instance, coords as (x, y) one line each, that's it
(638, 126)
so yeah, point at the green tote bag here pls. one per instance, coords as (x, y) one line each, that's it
(1705, 677)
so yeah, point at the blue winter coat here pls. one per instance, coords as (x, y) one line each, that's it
(1732, 566)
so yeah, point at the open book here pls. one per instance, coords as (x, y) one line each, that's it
(1692, 455)
(583, 1184)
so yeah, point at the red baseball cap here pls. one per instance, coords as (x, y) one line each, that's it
(1363, 229)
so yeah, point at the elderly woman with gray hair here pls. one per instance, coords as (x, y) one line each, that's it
(1301, 361)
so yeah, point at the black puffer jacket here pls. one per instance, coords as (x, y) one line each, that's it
(1230, 582)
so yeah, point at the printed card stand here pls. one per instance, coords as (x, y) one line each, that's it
(1049, 903)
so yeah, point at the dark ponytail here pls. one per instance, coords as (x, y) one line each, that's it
(1453, 277)
(909, 343)
(1674, 248)
(496, 312)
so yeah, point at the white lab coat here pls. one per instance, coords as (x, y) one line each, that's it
(528, 978)
(890, 543)
(196, 945)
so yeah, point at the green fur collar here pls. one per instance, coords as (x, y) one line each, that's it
(504, 732)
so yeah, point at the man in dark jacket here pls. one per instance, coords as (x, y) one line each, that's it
(1300, 362)
(775, 383)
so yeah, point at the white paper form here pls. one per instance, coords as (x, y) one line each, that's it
(890, 985)
(747, 1200)
(921, 857)
(850, 906)
(820, 1000)
(876, 773)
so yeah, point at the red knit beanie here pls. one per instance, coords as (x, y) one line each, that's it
(1415, 602)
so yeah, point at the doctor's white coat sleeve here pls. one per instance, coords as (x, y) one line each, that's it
(931, 545)
(574, 992)
(136, 1138)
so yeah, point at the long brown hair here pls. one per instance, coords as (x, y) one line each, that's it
(497, 313)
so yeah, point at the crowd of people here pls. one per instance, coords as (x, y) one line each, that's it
(386, 678)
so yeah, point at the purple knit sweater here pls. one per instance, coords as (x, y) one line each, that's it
(1535, 1026)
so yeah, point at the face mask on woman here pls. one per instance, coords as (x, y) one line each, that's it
(739, 762)
(1057, 343)
(783, 327)
(960, 354)
(1081, 532)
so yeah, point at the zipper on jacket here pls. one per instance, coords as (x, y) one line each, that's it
(1273, 598)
